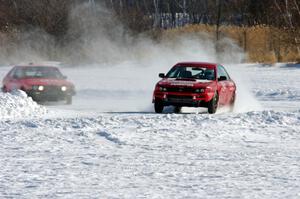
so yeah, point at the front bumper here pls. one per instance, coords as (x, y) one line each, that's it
(50, 94)
(182, 99)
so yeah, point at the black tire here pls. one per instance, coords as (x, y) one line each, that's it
(232, 102)
(177, 109)
(213, 104)
(69, 100)
(158, 107)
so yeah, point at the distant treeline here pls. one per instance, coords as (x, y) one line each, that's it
(141, 15)
(280, 19)
(279, 13)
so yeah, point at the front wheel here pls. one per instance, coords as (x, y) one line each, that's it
(232, 102)
(3, 89)
(213, 104)
(177, 109)
(158, 107)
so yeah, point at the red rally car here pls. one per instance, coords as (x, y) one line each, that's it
(42, 83)
(194, 84)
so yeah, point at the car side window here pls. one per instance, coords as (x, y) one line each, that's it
(222, 72)
(18, 73)
(11, 73)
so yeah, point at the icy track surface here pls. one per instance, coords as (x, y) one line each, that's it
(76, 152)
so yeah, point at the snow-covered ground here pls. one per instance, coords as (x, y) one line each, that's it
(110, 144)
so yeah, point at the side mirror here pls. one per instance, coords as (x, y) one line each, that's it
(161, 75)
(222, 78)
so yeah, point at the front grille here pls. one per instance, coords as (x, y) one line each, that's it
(52, 89)
(180, 89)
(178, 98)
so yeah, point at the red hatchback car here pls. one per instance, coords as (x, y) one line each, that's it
(42, 83)
(195, 84)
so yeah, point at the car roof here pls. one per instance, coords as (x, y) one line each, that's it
(198, 64)
(34, 65)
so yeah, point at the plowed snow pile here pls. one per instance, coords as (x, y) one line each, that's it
(17, 105)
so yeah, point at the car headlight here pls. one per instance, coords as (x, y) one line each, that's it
(41, 88)
(200, 90)
(64, 88)
(163, 89)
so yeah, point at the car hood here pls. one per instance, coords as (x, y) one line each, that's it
(45, 82)
(185, 83)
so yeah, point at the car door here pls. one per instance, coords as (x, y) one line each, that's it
(11, 81)
(229, 86)
(7, 80)
(222, 86)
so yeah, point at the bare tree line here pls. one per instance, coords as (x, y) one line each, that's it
(280, 13)
(147, 14)
(52, 16)
(165, 14)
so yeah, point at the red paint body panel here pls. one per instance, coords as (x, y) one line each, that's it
(10, 83)
(172, 87)
(31, 77)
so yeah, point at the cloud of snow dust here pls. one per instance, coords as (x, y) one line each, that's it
(245, 100)
(26, 45)
(103, 39)
(118, 70)
(125, 67)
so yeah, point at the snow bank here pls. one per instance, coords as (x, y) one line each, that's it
(18, 105)
(253, 154)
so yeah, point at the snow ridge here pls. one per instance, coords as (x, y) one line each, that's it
(17, 105)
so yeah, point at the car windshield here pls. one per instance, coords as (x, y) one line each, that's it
(189, 72)
(38, 72)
